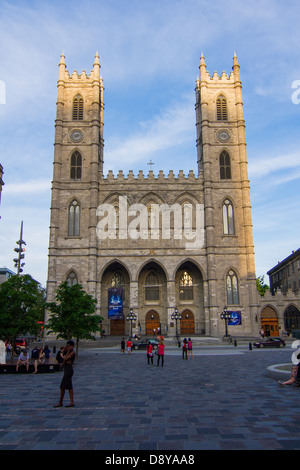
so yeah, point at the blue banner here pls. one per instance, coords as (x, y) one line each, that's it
(115, 303)
(235, 318)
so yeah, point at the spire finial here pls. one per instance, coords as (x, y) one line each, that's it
(235, 60)
(62, 59)
(97, 59)
(202, 67)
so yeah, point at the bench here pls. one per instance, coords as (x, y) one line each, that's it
(10, 367)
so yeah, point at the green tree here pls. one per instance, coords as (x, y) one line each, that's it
(22, 305)
(261, 286)
(72, 315)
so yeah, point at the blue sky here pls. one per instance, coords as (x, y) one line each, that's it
(149, 54)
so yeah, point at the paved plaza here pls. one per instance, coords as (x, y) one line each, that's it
(223, 399)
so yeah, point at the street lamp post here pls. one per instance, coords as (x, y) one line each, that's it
(19, 264)
(176, 316)
(131, 317)
(225, 315)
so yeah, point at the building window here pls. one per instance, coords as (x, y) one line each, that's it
(72, 279)
(76, 164)
(151, 287)
(118, 281)
(222, 108)
(228, 220)
(78, 108)
(186, 287)
(232, 289)
(74, 218)
(225, 170)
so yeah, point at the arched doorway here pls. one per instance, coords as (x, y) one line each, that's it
(291, 319)
(190, 297)
(269, 321)
(152, 322)
(115, 277)
(187, 323)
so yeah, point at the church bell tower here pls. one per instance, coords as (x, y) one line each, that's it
(78, 162)
(222, 160)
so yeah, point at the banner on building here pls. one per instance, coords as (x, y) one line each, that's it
(115, 303)
(235, 318)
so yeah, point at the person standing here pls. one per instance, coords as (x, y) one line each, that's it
(161, 352)
(190, 349)
(35, 355)
(66, 383)
(129, 344)
(123, 346)
(184, 349)
(150, 353)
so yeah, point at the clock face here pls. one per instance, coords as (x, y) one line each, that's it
(223, 136)
(76, 135)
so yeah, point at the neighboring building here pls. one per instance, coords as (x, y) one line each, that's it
(280, 307)
(5, 274)
(286, 274)
(155, 271)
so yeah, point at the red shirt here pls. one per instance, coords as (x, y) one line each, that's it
(161, 348)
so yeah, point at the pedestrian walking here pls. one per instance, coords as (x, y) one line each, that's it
(150, 353)
(190, 349)
(161, 352)
(129, 345)
(123, 346)
(184, 349)
(66, 383)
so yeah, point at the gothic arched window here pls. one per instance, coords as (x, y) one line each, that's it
(74, 219)
(225, 170)
(151, 287)
(222, 108)
(77, 108)
(72, 279)
(186, 287)
(228, 219)
(232, 288)
(118, 281)
(76, 165)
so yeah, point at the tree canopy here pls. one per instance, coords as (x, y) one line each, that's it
(72, 315)
(22, 304)
(261, 286)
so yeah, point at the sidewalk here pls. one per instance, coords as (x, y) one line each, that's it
(217, 402)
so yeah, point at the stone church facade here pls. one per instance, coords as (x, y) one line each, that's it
(165, 241)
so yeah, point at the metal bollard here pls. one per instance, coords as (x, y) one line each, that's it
(235, 343)
(250, 346)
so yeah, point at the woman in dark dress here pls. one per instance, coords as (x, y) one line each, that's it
(66, 383)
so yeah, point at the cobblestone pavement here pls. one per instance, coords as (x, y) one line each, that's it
(223, 399)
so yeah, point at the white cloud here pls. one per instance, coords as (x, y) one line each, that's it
(262, 167)
(173, 127)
